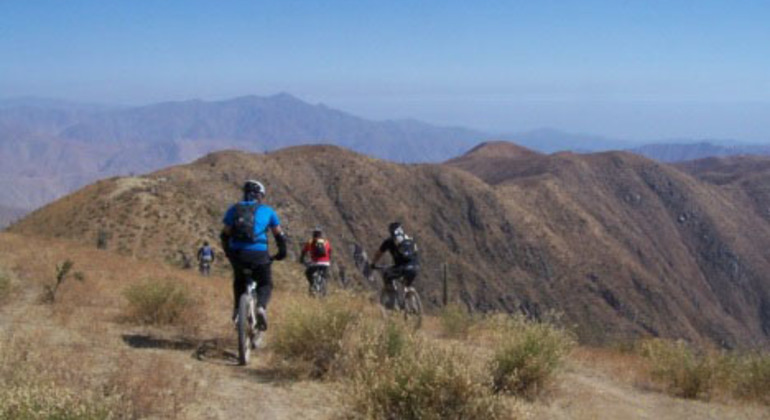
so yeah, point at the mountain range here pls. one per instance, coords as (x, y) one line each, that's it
(51, 147)
(623, 246)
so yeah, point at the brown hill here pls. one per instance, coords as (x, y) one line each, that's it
(625, 247)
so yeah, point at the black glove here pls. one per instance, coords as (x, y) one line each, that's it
(280, 240)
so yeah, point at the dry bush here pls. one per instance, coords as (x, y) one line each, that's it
(527, 355)
(312, 331)
(456, 322)
(156, 388)
(31, 388)
(161, 302)
(751, 378)
(36, 384)
(5, 284)
(684, 372)
(396, 375)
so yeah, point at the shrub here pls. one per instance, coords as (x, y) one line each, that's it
(28, 392)
(62, 273)
(5, 284)
(163, 302)
(424, 381)
(681, 370)
(456, 322)
(752, 378)
(312, 332)
(527, 355)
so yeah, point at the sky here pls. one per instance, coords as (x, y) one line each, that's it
(626, 69)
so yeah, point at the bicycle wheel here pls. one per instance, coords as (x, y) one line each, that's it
(244, 328)
(413, 308)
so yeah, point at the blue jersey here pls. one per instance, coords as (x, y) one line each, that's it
(264, 219)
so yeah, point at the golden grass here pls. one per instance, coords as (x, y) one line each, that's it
(5, 284)
(160, 302)
(456, 322)
(688, 373)
(527, 355)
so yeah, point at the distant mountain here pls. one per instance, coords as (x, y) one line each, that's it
(679, 152)
(269, 123)
(50, 147)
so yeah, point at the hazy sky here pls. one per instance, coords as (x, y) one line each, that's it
(631, 69)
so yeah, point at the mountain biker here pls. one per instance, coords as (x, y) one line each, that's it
(206, 257)
(320, 251)
(403, 250)
(244, 239)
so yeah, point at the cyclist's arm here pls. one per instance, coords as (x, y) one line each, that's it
(303, 254)
(377, 256)
(280, 240)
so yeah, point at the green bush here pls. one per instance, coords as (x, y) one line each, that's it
(527, 355)
(159, 302)
(312, 331)
(456, 322)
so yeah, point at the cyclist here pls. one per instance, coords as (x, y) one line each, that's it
(320, 251)
(206, 257)
(403, 250)
(244, 239)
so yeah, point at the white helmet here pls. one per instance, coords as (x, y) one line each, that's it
(254, 187)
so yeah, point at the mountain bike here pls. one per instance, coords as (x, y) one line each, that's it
(396, 296)
(204, 266)
(318, 284)
(249, 336)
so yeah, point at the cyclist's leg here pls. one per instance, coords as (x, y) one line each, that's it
(410, 275)
(239, 284)
(264, 280)
(309, 274)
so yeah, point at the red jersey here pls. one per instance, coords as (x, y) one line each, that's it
(311, 249)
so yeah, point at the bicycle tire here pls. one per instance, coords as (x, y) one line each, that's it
(413, 308)
(244, 336)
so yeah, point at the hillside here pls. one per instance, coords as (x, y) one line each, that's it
(623, 246)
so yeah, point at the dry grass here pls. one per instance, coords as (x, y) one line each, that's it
(427, 381)
(527, 355)
(5, 284)
(456, 322)
(38, 384)
(752, 378)
(311, 331)
(161, 302)
(684, 372)
(687, 373)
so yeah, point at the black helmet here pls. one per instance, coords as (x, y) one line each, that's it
(205, 243)
(395, 229)
(317, 232)
(253, 189)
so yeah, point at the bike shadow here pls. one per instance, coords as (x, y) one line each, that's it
(148, 341)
